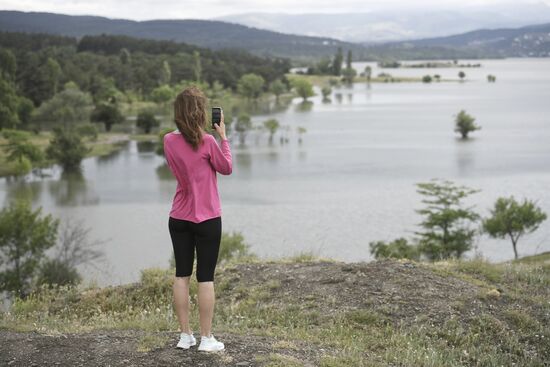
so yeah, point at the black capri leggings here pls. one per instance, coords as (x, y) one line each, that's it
(205, 237)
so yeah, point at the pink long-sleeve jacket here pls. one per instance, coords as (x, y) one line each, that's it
(196, 198)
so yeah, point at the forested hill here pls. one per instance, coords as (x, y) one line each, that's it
(211, 34)
(531, 41)
(97, 63)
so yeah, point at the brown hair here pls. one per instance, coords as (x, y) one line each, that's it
(190, 115)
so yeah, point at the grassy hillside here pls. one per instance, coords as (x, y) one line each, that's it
(304, 312)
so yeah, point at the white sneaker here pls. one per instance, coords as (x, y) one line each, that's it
(210, 344)
(186, 341)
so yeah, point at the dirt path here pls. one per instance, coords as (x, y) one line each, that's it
(121, 348)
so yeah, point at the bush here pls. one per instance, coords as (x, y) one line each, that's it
(66, 148)
(87, 130)
(54, 271)
(146, 120)
(398, 249)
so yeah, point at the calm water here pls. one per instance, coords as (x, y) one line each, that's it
(349, 182)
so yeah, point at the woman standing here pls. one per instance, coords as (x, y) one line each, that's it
(194, 222)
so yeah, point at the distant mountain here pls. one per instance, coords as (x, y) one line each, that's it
(399, 24)
(530, 41)
(205, 33)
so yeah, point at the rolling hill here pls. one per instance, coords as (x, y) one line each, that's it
(530, 41)
(205, 33)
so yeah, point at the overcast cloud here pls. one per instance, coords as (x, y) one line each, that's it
(204, 9)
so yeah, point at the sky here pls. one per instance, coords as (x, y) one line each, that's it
(207, 9)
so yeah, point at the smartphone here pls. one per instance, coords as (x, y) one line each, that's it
(216, 116)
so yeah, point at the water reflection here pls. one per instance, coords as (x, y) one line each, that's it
(243, 160)
(465, 156)
(304, 106)
(111, 157)
(18, 188)
(146, 146)
(72, 190)
(164, 173)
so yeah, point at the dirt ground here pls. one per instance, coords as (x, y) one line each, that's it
(401, 292)
(120, 348)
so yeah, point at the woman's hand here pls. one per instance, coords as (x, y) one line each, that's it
(220, 128)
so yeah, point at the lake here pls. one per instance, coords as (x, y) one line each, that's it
(350, 181)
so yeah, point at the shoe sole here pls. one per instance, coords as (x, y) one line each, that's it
(181, 347)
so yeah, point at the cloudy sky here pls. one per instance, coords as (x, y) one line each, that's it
(204, 9)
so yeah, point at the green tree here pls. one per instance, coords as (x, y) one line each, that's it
(251, 85)
(9, 103)
(25, 234)
(243, 125)
(464, 124)
(277, 87)
(272, 125)
(53, 72)
(446, 222)
(54, 271)
(162, 94)
(25, 108)
(107, 114)
(66, 148)
(426, 79)
(303, 88)
(512, 219)
(21, 151)
(461, 75)
(197, 66)
(326, 91)
(397, 249)
(67, 107)
(368, 73)
(87, 130)
(233, 246)
(8, 64)
(337, 62)
(146, 120)
(165, 73)
(125, 56)
(348, 74)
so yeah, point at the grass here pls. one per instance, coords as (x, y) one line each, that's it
(106, 144)
(323, 80)
(490, 329)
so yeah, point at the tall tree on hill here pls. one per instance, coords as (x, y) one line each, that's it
(337, 62)
(197, 66)
(512, 219)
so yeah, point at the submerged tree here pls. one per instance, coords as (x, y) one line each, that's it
(464, 124)
(272, 125)
(512, 219)
(303, 88)
(243, 125)
(66, 148)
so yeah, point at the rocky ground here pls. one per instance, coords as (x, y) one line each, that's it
(385, 293)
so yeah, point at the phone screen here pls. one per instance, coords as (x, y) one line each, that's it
(216, 115)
